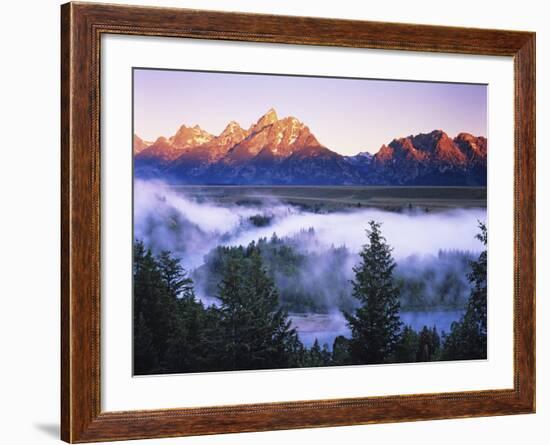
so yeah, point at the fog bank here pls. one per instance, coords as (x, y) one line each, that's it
(170, 220)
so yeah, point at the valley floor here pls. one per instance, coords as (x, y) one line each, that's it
(332, 198)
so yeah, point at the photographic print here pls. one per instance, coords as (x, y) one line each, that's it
(286, 221)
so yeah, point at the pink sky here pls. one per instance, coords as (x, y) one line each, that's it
(346, 115)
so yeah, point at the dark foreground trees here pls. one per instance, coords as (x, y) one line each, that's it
(413, 346)
(254, 332)
(169, 323)
(468, 337)
(248, 327)
(174, 332)
(377, 335)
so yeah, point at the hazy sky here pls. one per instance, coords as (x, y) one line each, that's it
(346, 115)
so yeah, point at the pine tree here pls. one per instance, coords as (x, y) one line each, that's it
(170, 325)
(478, 278)
(178, 284)
(315, 355)
(186, 344)
(280, 343)
(185, 341)
(153, 314)
(146, 360)
(468, 337)
(406, 349)
(340, 351)
(428, 345)
(326, 355)
(233, 314)
(375, 326)
(256, 330)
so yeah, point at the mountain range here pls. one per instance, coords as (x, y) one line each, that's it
(283, 151)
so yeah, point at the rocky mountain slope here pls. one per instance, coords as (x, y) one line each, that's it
(283, 151)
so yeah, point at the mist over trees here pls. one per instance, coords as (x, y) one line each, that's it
(307, 280)
(249, 328)
(313, 278)
(255, 331)
(468, 336)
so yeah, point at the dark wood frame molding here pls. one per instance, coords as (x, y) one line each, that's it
(82, 25)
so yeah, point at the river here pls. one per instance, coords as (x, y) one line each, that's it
(326, 327)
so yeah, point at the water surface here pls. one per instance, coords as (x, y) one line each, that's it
(326, 327)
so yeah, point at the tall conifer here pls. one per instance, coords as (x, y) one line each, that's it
(375, 326)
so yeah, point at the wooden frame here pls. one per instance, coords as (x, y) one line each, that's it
(81, 27)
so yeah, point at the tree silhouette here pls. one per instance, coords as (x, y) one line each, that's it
(468, 337)
(375, 326)
(258, 332)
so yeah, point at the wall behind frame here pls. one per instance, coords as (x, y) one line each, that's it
(29, 225)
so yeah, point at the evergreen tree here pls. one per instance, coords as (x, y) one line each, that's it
(146, 360)
(186, 350)
(233, 314)
(318, 356)
(178, 284)
(169, 323)
(478, 278)
(468, 337)
(340, 351)
(257, 332)
(375, 326)
(406, 349)
(185, 342)
(154, 313)
(326, 355)
(428, 345)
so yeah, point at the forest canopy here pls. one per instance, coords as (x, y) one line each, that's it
(255, 286)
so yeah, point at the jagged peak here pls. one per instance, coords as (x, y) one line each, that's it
(140, 144)
(434, 134)
(195, 128)
(189, 136)
(271, 113)
(161, 140)
(291, 121)
(385, 151)
(466, 136)
(269, 118)
(231, 127)
(402, 141)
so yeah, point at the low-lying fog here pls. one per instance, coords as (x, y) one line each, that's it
(432, 248)
(158, 209)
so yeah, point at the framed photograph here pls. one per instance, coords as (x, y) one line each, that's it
(275, 222)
